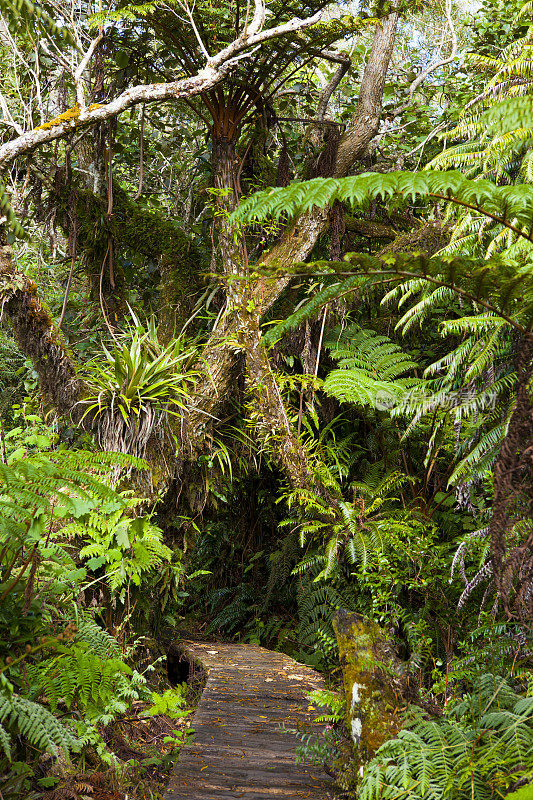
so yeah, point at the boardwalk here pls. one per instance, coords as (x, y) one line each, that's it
(239, 750)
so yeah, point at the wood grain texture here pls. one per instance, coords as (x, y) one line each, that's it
(239, 750)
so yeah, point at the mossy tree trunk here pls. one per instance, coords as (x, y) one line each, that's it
(37, 336)
(225, 164)
(372, 686)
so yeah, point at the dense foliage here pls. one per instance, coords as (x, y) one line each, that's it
(266, 352)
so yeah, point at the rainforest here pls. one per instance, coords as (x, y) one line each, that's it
(266, 399)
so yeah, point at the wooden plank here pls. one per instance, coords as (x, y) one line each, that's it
(239, 750)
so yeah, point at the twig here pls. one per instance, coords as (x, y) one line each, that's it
(141, 157)
(67, 292)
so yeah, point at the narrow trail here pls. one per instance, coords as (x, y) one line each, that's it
(239, 750)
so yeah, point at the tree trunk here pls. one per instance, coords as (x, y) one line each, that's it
(268, 418)
(512, 562)
(374, 686)
(295, 246)
(225, 163)
(365, 122)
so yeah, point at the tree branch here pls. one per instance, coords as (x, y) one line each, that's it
(78, 74)
(215, 69)
(344, 65)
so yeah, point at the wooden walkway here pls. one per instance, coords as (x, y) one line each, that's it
(239, 750)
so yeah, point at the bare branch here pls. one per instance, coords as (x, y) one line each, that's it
(216, 68)
(441, 62)
(344, 65)
(258, 20)
(78, 75)
(330, 55)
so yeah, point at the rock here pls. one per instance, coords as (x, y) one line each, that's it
(373, 685)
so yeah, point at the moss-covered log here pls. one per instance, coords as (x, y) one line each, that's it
(369, 228)
(37, 336)
(372, 684)
(428, 238)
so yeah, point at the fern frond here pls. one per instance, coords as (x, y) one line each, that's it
(35, 723)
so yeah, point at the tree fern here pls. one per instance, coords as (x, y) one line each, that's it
(497, 132)
(349, 532)
(354, 347)
(499, 138)
(471, 388)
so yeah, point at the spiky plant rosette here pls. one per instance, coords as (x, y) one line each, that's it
(136, 388)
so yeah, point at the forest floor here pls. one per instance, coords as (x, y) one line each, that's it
(240, 749)
(146, 748)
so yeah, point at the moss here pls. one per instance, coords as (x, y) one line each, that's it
(371, 684)
(139, 230)
(429, 238)
(70, 115)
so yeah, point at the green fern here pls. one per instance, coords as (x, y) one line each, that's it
(16, 12)
(81, 675)
(233, 606)
(127, 547)
(97, 640)
(317, 603)
(483, 745)
(327, 701)
(36, 493)
(370, 367)
(490, 282)
(497, 126)
(20, 716)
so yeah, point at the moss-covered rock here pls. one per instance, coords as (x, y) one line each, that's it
(372, 676)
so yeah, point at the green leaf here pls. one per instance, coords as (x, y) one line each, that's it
(121, 535)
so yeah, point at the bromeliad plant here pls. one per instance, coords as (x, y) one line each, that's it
(140, 385)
